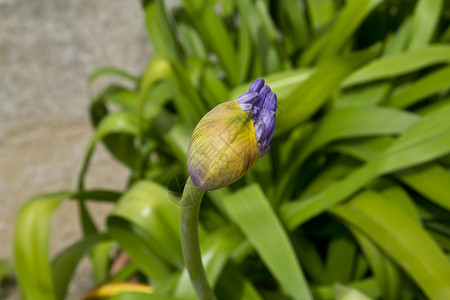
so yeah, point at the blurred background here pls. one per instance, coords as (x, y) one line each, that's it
(362, 146)
(48, 48)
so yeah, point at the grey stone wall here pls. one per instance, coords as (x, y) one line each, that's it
(47, 50)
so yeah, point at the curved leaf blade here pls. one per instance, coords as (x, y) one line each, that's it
(250, 210)
(424, 87)
(400, 64)
(65, 263)
(399, 235)
(426, 140)
(31, 237)
(145, 223)
(100, 72)
(304, 101)
(424, 22)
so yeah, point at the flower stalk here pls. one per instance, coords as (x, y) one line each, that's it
(189, 213)
(226, 143)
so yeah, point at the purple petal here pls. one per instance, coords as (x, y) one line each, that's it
(270, 102)
(268, 118)
(262, 95)
(264, 151)
(256, 85)
(246, 106)
(247, 97)
(259, 129)
(255, 112)
(269, 135)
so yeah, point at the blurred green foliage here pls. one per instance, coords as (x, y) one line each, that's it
(6, 273)
(354, 197)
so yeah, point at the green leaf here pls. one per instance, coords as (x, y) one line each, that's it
(245, 56)
(340, 259)
(133, 241)
(361, 267)
(398, 195)
(65, 263)
(101, 260)
(215, 35)
(190, 40)
(145, 223)
(358, 122)
(320, 12)
(424, 22)
(310, 259)
(263, 33)
(430, 180)
(120, 122)
(213, 89)
(159, 29)
(174, 133)
(282, 83)
(87, 223)
(424, 87)
(428, 139)
(386, 272)
(100, 72)
(445, 37)
(367, 96)
(312, 94)
(6, 270)
(400, 64)
(346, 24)
(233, 285)
(251, 211)
(397, 43)
(399, 235)
(188, 103)
(293, 17)
(127, 100)
(343, 292)
(31, 246)
(368, 286)
(345, 123)
(98, 195)
(433, 106)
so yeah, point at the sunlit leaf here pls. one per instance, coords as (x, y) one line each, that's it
(251, 211)
(400, 64)
(31, 246)
(399, 235)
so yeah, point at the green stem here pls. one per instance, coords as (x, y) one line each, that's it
(189, 212)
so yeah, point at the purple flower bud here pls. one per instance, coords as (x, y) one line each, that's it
(268, 118)
(265, 140)
(264, 151)
(246, 106)
(247, 97)
(256, 85)
(262, 102)
(263, 94)
(259, 130)
(255, 113)
(270, 102)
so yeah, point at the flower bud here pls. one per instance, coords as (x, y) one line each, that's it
(229, 139)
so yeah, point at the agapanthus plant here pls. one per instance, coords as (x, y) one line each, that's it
(225, 145)
(356, 183)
